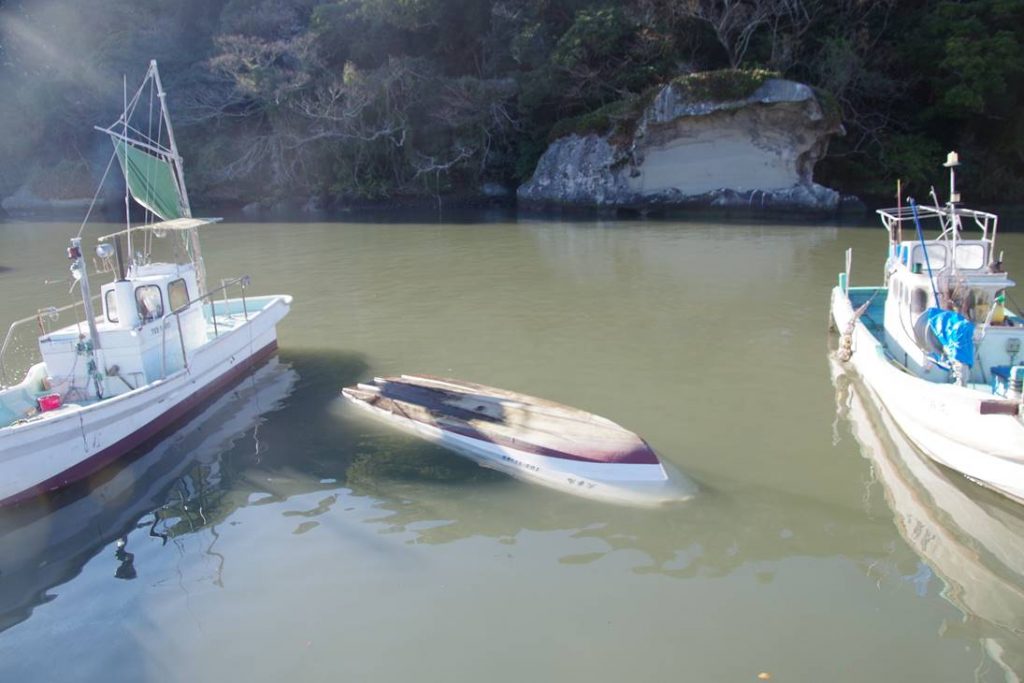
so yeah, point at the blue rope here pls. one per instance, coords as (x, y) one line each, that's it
(924, 247)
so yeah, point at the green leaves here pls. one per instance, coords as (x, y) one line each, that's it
(979, 59)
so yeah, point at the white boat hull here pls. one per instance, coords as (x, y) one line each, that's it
(639, 484)
(75, 441)
(943, 420)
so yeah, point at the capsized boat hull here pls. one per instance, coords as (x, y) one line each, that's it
(944, 421)
(526, 437)
(70, 444)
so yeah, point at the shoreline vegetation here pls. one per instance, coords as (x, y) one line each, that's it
(329, 105)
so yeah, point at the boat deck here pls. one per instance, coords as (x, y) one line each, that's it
(874, 317)
(226, 315)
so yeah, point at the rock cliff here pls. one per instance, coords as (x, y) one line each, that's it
(694, 145)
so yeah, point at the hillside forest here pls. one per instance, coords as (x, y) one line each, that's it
(354, 100)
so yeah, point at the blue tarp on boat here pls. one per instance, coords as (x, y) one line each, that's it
(954, 332)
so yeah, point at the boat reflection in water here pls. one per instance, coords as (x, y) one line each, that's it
(971, 538)
(46, 542)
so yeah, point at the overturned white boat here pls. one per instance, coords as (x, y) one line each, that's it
(153, 347)
(530, 438)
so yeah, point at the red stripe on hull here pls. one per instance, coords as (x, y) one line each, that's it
(150, 432)
(638, 456)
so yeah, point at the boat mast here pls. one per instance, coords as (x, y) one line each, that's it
(179, 172)
(127, 188)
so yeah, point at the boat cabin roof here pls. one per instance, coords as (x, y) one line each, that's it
(158, 272)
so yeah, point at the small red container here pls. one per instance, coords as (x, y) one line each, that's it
(49, 402)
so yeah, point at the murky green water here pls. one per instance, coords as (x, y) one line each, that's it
(279, 536)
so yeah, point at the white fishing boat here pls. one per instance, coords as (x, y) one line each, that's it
(150, 349)
(527, 437)
(935, 342)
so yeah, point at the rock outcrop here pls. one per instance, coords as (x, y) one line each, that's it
(67, 187)
(687, 148)
(24, 201)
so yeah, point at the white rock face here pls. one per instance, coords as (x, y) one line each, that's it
(758, 151)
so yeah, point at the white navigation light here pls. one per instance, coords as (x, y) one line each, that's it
(952, 159)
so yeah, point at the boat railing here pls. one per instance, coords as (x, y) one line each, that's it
(207, 297)
(45, 319)
(49, 318)
(950, 220)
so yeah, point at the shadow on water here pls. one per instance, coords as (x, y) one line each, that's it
(274, 435)
(324, 442)
(188, 480)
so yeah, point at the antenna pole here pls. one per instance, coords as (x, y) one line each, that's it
(899, 210)
(952, 161)
(78, 263)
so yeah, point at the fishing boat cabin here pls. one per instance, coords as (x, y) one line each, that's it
(950, 282)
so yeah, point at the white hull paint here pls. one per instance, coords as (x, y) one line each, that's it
(943, 420)
(64, 445)
(645, 485)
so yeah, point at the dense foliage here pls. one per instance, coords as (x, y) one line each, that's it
(346, 99)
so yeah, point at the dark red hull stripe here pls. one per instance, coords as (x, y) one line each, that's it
(463, 421)
(148, 433)
(639, 456)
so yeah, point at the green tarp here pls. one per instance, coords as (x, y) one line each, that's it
(150, 180)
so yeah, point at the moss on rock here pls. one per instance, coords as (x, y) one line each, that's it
(724, 85)
(619, 118)
(614, 117)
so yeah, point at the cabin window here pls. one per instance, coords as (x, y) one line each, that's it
(918, 301)
(110, 301)
(936, 257)
(177, 293)
(150, 302)
(970, 256)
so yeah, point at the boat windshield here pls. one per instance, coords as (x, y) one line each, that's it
(970, 256)
(936, 257)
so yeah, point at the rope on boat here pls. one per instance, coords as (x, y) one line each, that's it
(845, 350)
